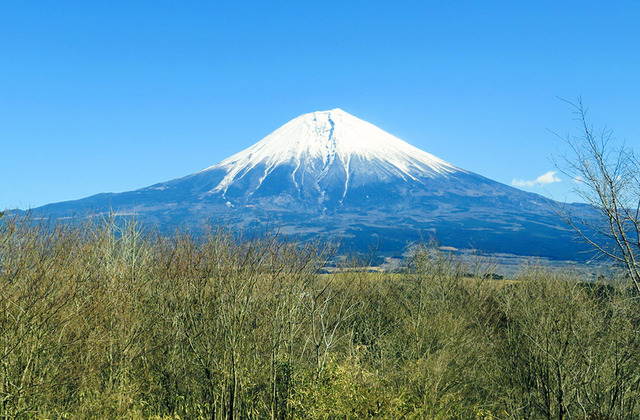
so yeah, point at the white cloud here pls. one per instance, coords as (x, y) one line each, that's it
(544, 179)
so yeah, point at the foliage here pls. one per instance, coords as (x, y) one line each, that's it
(102, 321)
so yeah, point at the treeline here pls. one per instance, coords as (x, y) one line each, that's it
(108, 322)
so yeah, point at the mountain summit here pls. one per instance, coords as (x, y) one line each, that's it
(329, 173)
(325, 160)
(326, 146)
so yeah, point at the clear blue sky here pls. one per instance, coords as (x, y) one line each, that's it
(114, 96)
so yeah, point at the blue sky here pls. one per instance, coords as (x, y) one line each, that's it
(114, 96)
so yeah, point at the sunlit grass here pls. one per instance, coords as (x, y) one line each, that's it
(109, 321)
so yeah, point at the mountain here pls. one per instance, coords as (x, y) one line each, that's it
(329, 173)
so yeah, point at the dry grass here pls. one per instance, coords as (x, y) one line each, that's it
(107, 321)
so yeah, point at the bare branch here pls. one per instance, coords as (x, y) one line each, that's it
(607, 180)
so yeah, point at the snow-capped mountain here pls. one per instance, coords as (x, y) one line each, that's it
(330, 173)
(331, 146)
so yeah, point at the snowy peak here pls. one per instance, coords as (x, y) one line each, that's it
(329, 174)
(324, 141)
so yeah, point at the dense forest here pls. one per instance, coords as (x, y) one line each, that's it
(101, 321)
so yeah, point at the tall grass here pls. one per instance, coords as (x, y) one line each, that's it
(108, 321)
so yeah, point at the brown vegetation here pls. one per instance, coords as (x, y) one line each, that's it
(108, 322)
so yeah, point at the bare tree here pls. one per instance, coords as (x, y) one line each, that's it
(608, 178)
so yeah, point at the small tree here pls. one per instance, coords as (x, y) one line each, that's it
(607, 178)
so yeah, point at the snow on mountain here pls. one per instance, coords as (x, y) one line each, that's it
(312, 144)
(330, 174)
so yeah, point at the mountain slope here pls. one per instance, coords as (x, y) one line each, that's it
(330, 173)
(315, 146)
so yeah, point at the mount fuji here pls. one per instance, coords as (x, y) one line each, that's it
(331, 174)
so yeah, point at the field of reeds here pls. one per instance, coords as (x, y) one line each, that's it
(105, 321)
